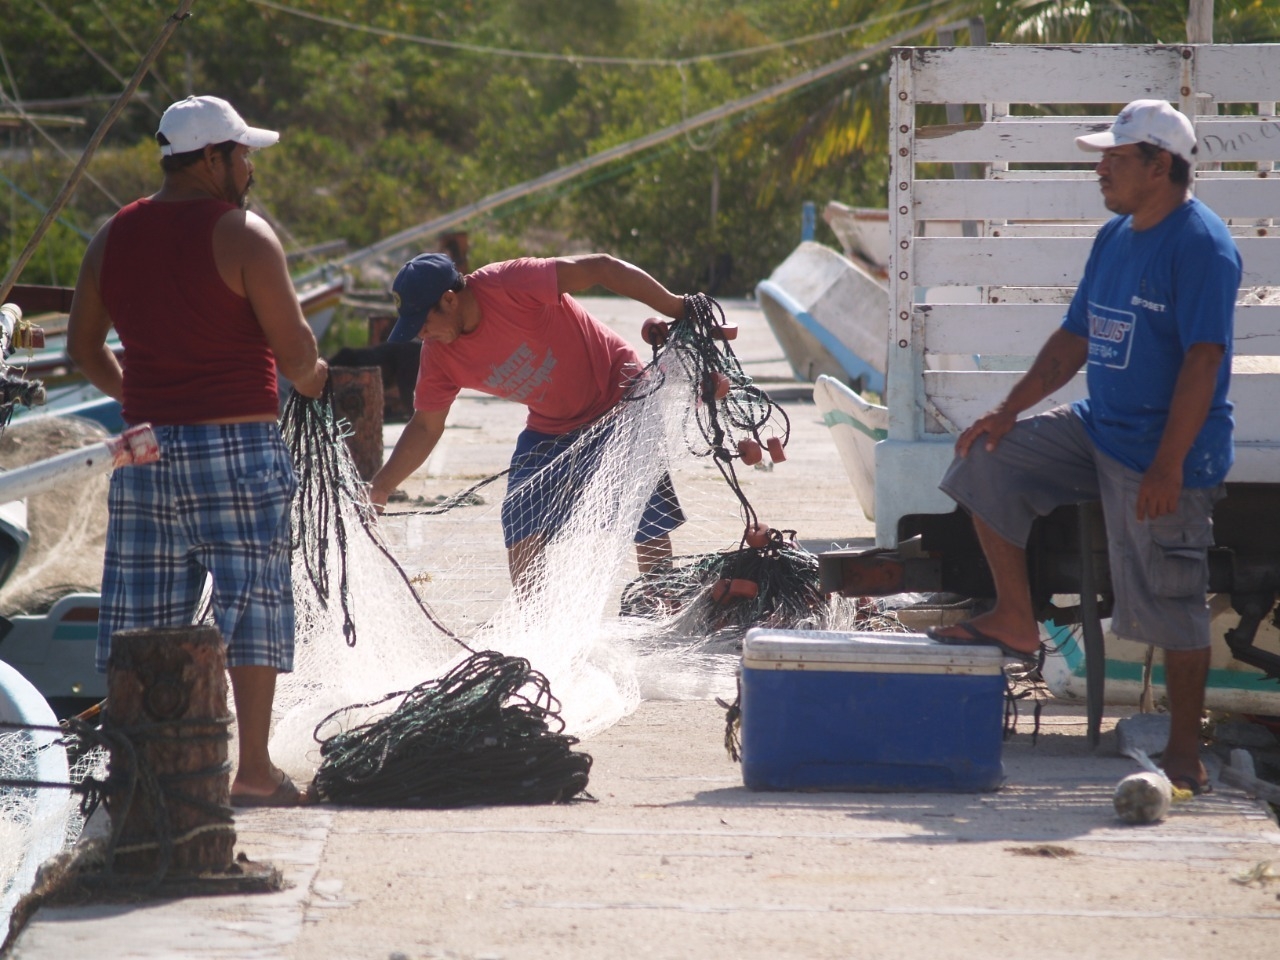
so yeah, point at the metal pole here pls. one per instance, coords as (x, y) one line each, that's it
(1200, 21)
(136, 445)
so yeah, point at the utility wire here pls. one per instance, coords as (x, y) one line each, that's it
(61, 150)
(585, 58)
(570, 171)
(171, 24)
(124, 37)
(8, 72)
(102, 61)
(84, 235)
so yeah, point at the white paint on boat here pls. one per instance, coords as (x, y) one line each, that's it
(33, 822)
(829, 315)
(856, 426)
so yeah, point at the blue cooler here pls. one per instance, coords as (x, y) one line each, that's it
(869, 712)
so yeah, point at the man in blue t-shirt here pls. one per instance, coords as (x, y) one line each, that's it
(1152, 319)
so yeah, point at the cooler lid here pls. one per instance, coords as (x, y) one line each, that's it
(831, 650)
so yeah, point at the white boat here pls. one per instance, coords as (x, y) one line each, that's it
(856, 425)
(830, 316)
(1231, 686)
(33, 822)
(863, 233)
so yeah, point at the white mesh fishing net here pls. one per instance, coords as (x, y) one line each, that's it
(569, 624)
(67, 522)
(36, 822)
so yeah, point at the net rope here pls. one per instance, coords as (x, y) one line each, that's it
(600, 637)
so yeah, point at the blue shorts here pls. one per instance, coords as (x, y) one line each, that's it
(549, 471)
(216, 503)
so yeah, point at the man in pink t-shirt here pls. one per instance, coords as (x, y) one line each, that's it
(512, 330)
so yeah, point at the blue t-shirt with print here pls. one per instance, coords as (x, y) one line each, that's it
(1146, 297)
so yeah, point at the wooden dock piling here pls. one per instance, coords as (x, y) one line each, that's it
(167, 694)
(357, 398)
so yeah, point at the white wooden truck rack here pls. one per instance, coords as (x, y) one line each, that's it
(1034, 214)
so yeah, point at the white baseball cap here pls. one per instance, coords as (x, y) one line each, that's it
(1146, 121)
(197, 122)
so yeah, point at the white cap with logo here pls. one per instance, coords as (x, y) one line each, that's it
(1146, 121)
(197, 122)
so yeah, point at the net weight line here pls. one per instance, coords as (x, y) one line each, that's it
(487, 732)
(129, 775)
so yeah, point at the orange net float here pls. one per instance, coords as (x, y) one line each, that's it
(757, 536)
(749, 451)
(654, 331)
(722, 385)
(725, 591)
(777, 453)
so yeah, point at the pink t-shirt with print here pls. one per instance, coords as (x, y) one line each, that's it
(532, 346)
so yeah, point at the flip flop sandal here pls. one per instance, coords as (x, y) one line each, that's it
(286, 794)
(975, 637)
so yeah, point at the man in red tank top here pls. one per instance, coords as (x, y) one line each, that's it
(198, 289)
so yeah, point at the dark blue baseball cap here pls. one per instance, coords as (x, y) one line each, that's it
(417, 288)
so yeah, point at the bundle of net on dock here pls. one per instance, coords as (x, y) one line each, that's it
(488, 732)
(601, 638)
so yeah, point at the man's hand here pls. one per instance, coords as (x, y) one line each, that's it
(378, 497)
(1159, 492)
(313, 385)
(1062, 355)
(993, 425)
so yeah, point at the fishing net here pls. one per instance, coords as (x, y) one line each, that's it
(67, 522)
(485, 733)
(38, 822)
(32, 821)
(390, 604)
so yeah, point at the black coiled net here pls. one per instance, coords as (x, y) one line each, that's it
(488, 732)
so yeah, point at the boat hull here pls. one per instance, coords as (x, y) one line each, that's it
(829, 315)
(856, 427)
(1231, 687)
(32, 827)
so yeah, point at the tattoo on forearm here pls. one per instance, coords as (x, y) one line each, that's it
(1050, 376)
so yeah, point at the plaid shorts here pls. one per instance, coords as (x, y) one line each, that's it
(217, 504)
(548, 474)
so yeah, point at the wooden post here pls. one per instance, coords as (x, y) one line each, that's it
(357, 398)
(1200, 21)
(167, 693)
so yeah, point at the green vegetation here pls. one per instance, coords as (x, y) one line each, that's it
(384, 127)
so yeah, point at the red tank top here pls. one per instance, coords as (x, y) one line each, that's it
(193, 348)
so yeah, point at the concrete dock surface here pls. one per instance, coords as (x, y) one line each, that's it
(675, 858)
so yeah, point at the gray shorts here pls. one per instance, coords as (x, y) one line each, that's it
(1159, 568)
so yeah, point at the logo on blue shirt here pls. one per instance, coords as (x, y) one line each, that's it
(1110, 336)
